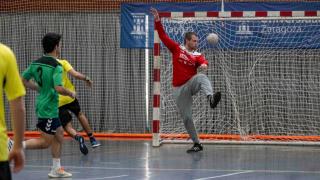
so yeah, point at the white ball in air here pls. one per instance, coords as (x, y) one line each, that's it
(212, 38)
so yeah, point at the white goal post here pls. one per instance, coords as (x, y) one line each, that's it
(267, 67)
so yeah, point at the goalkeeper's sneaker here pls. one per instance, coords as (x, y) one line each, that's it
(94, 142)
(10, 144)
(82, 145)
(59, 173)
(195, 148)
(214, 99)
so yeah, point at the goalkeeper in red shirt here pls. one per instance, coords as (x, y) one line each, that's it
(186, 82)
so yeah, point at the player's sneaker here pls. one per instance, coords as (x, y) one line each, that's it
(82, 145)
(195, 148)
(59, 173)
(10, 144)
(94, 142)
(214, 99)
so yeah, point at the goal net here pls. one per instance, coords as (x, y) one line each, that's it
(115, 105)
(268, 72)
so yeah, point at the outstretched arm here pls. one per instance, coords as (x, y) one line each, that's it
(80, 76)
(169, 43)
(155, 14)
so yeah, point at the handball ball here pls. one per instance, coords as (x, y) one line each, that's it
(212, 38)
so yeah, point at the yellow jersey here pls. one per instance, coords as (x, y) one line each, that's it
(11, 83)
(66, 83)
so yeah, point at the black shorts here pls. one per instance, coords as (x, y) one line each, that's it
(64, 112)
(5, 173)
(48, 125)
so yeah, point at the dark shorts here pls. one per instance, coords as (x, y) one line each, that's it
(48, 125)
(5, 173)
(64, 112)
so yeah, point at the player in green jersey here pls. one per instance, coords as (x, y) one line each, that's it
(44, 75)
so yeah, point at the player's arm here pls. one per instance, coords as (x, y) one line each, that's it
(169, 43)
(17, 110)
(63, 91)
(80, 76)
(26, 79)
(203, 63)
(15, 91)
(30, 84)
(57, 81)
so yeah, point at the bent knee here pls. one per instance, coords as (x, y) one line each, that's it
(200, 75)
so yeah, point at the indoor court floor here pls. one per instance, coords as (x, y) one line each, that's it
(138, 160)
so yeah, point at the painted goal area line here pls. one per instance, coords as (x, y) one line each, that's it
(224, 175)
(148, 136)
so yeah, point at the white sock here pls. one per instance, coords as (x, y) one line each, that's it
(24, 144)
(56, 163)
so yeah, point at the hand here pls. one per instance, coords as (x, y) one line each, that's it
(203, 67)
(73, 95)
(88, 81)
(155, 14)
(16, 156)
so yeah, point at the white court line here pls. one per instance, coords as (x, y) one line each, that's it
(214, 177)
(162, 169)
(109, 177)
(109, 163)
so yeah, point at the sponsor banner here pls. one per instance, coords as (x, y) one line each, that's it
(250, 34)
(136, 31)
(137, 25)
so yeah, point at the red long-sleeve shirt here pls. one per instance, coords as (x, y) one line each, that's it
(185, 63)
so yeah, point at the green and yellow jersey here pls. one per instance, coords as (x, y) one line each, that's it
(66, 83)
(47, 74)
(11, 83)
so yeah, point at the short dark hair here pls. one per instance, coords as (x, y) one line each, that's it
(188, 36)
(49, 41)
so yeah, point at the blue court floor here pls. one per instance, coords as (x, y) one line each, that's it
(138, 160)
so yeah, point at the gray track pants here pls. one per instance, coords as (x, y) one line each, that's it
(183, 97)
